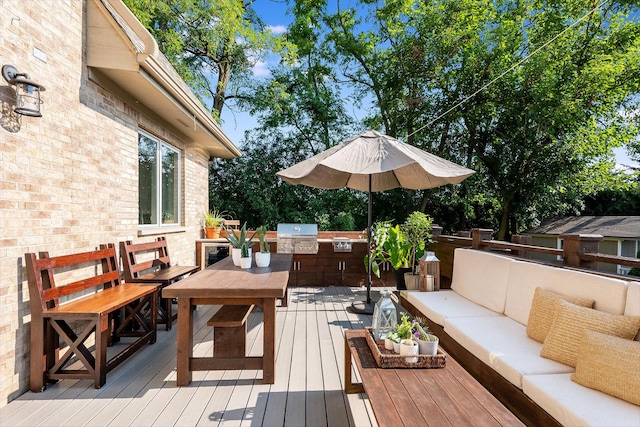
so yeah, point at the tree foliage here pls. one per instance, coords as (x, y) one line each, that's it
(212, 44)
(539, 135)
(534, 95)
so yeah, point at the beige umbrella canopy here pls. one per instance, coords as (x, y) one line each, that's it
(389, 162)
(374, 162)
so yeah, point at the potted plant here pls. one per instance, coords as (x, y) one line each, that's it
(408, 346)
(237, 239)
(379, 236)
(416, 232)
(245, 255)
(396, 249)
(427, 342)
(213, 221)
(263, 257)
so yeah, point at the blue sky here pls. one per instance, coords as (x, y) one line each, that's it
(275, 15)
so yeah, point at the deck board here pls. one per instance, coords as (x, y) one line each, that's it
(308, 389)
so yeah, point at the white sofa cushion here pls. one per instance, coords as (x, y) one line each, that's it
(440, 305)
(632, 307)
(481, 277)
(524, 277)
(502, 344)
(574, 405)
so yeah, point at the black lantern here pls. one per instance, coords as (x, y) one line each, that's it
(27, 92)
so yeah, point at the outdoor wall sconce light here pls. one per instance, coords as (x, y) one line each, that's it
(27, 92)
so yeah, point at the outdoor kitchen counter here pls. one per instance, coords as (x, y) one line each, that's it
(325, 268)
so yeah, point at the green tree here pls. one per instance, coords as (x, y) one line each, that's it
(212, 44)
(540, 135)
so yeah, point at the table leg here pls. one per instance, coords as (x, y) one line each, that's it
(269, 356)
(185, 341)
(349, 386)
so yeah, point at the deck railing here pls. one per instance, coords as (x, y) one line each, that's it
(579, 251)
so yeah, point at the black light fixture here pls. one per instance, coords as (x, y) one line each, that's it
(27, 92)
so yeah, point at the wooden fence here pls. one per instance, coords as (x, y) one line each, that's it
(580, 251)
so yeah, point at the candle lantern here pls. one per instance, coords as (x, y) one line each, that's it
(384, 316)
(429, 267)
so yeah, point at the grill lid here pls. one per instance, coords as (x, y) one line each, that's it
(297, 230)
(297, 238)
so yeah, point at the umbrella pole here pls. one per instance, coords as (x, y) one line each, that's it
(367, 306)
(369, 221)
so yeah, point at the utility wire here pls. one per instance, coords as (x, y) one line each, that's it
(510, 69)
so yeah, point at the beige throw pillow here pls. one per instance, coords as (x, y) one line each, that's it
(609, 364)
(570, 320)
(543, 308)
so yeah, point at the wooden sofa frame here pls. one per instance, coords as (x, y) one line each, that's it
(509, 395)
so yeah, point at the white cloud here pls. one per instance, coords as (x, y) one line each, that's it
(277, 29)
(260, 69)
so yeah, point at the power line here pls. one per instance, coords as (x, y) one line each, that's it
(510, 69)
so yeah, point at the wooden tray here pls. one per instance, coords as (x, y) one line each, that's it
(388, 359)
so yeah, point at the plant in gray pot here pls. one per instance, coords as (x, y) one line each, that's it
(427, 342)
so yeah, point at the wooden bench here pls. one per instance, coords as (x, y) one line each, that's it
(156, 268)
(52, 319)
(230, 330)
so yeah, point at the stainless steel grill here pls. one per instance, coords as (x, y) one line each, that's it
(341, 244)
(297, 238)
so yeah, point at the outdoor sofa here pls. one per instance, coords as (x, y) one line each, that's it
(482, 321)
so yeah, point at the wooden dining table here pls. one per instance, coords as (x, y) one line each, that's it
(225, 284)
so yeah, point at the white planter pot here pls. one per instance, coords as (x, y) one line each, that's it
(428, 347)
(235, 256)
(263, 259)
(412, 281)
(409, 348)
(396, 347)
(245, 262)
(388, 344)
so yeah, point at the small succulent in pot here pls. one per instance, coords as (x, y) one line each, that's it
(238, 239)
(261, 232)
(422, 331)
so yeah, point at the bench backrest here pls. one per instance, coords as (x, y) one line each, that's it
(43, 291)
(129, 252)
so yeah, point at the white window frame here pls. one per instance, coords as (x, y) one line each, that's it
(160, 144)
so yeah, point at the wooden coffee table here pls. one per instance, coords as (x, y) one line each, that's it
(421, 397)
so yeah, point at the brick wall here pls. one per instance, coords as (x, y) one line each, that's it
(68, 180)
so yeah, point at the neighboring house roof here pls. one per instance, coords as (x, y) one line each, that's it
(124, 57)
(607, 226)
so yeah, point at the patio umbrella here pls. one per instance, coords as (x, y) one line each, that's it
(374, 162)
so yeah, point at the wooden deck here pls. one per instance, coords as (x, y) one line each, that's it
(308, 390)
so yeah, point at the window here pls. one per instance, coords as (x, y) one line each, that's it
(158, 182)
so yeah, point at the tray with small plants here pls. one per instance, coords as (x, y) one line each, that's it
(413, 330)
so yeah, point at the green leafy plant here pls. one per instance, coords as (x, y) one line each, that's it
(261, 232)
(393, 336)
(397, 248)
(239, 238)
(404, 329)
(214, 218)
(379, 235)
(417, 233)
